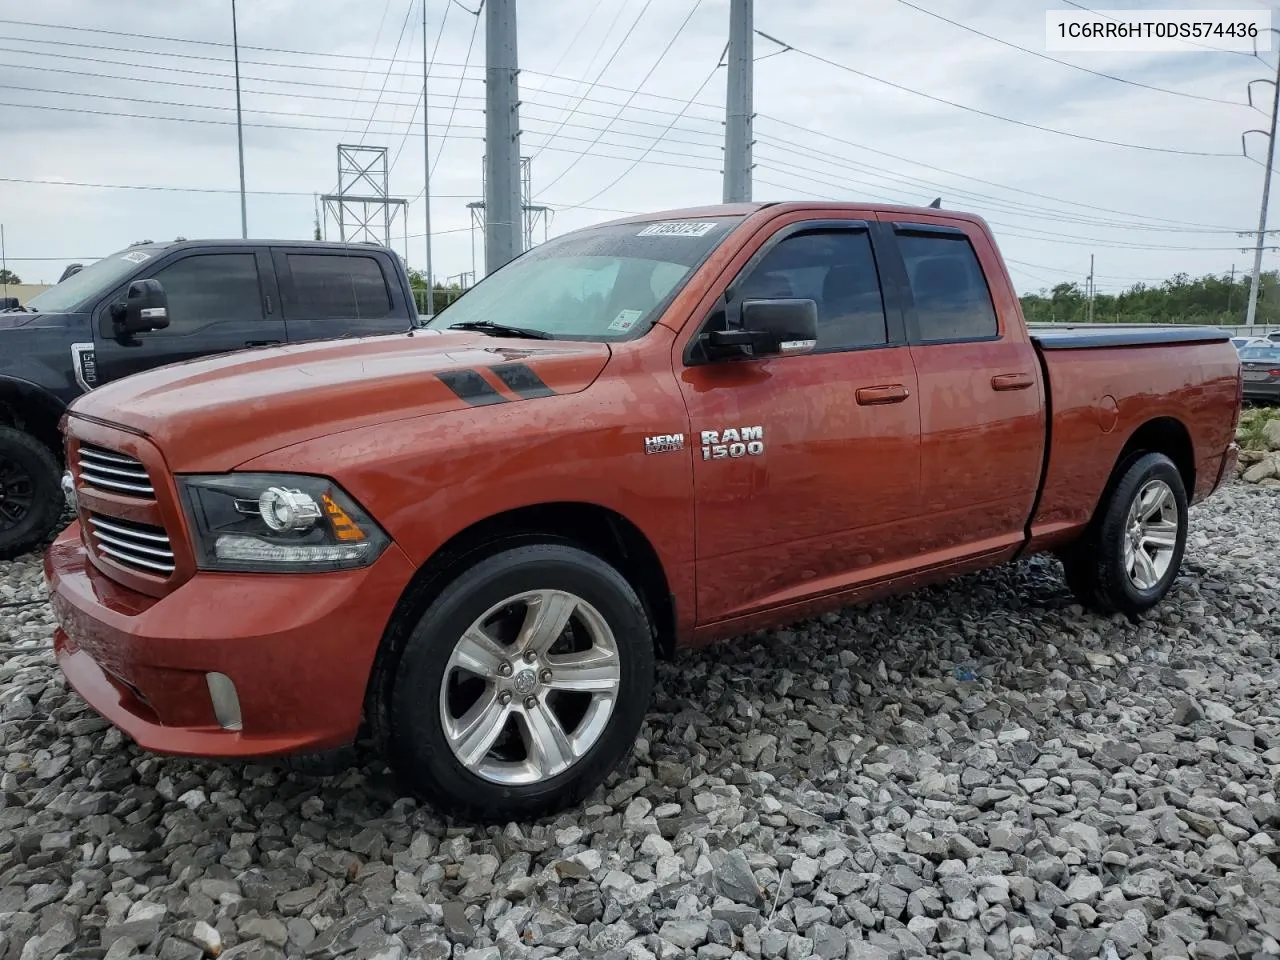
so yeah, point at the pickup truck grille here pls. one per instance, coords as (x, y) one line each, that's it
(114, 472)
(137, 545)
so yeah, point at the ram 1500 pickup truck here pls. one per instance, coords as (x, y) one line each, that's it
(471, 541)
(158, 303)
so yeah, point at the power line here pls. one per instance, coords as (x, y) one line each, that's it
(1065, 63)
(616, 50)
(998, 203)
(165, 188)
(986, 113)
(418, 103)
(339, 99)
(391, 66)
(989, 183)
(1064, 238)
(614, 182)
(454, 106)
(645, 79)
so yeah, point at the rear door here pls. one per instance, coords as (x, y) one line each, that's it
(331, 293)
(219, 300)
(982, 411)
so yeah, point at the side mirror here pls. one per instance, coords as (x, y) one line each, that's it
(770, 328)
(145, 308)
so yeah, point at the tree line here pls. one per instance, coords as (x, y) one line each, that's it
(1217, 300)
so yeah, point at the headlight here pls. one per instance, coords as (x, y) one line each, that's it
(287, 523)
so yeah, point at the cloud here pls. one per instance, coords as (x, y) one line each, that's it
(818, 128)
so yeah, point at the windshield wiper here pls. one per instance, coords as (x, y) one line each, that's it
(499, 329)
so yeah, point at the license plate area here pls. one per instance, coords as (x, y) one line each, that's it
(1256, 375)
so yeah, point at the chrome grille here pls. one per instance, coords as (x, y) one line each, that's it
(137, 545)
(116, 472)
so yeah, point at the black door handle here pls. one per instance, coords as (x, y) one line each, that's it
(261, 343)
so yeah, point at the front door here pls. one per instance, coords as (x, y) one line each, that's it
(805, 467)
(217, 302)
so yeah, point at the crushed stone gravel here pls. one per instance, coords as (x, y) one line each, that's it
(980, 769)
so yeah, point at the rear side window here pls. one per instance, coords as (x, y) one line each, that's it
(952, 299)
(338, 287)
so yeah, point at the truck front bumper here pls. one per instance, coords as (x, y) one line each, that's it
(229, 664)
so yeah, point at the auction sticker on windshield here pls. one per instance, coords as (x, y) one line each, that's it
(136, 256)
(677, 228)
(625, 320)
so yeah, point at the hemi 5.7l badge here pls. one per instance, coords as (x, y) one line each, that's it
(732, 442)
(664, 443)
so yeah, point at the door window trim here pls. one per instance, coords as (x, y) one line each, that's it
(897, 267)
(895, 329)
(290, 305)
(266, 283)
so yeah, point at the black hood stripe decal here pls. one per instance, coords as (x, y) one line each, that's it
(521, 379)
(470, 386)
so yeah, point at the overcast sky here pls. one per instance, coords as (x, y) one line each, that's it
(72, 102)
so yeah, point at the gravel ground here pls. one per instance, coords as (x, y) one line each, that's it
(980, 769)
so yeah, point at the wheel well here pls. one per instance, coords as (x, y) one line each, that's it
(33, 412)
(598, 530)
(1162, 435)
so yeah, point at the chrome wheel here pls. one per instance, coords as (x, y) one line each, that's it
(1151, 534)
(529, 687)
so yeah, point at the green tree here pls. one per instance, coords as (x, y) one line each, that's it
(9, 277)
(443, 294)
(1216, 300)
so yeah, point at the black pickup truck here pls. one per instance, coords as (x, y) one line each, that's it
(159, 303)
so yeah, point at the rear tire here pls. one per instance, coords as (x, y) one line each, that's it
(1129, 559)
(31, 498)
(522, 686)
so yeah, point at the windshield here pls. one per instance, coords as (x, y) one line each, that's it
(94, 280)
(1261, 353)
(602, 283)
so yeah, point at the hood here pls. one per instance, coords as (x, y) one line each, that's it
(217, 412)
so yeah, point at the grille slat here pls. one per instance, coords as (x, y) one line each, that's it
(113, 471)
(137, 545)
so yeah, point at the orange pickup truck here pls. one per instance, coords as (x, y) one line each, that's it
(472, 540)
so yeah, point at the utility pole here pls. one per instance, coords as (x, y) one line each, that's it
(503, 216)
(1252, 312)
(1091, 288)
(426, 166)
(738, 110)
(4, 263)
(235, 43)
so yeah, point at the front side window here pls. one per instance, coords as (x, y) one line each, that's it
(338, 287)
(210, 288)
(602, 283)
(951, 296)
(837, 270)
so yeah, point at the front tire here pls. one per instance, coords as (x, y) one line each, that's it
(522, 686)
(1129, 560)
(31, 498)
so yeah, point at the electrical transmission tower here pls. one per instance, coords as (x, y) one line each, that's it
(362, 209)
(534, 215)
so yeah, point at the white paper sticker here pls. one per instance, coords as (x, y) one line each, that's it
(677, 228)
(136, 256)
(625, 320)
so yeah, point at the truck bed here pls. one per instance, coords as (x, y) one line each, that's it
(1102, 385)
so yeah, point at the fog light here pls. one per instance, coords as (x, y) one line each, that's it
(226, 703)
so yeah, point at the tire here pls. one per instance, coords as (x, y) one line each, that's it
(1106, 570)
(433, 697)
(31, 499)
